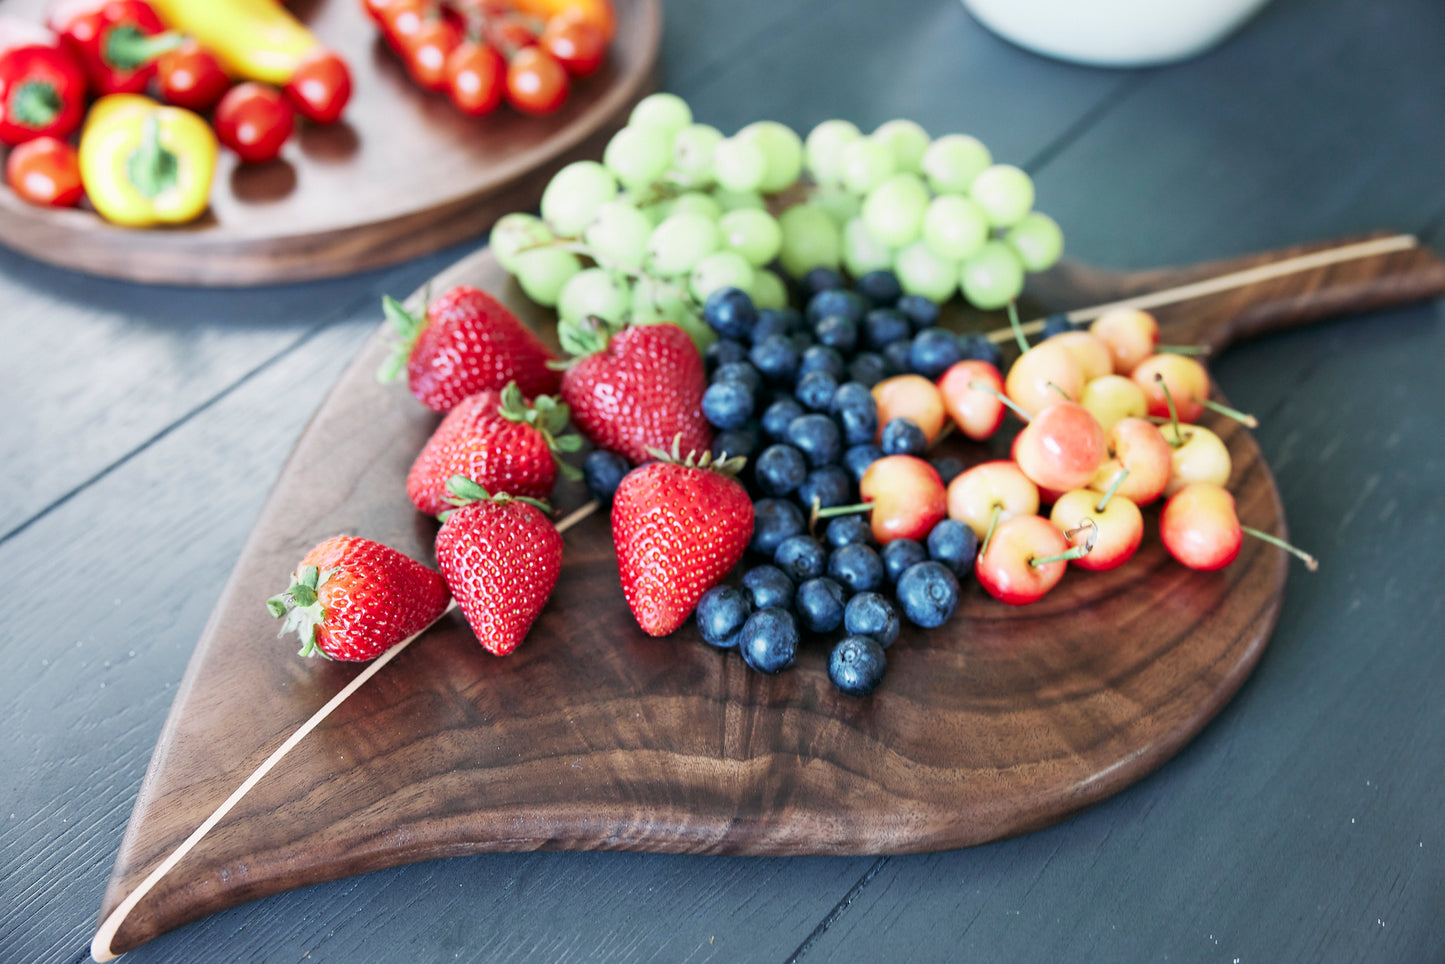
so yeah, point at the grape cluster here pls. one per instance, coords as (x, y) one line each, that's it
(676, 211)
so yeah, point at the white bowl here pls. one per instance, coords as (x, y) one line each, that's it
(1115, 33)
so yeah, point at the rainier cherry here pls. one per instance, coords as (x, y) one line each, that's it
(1118, 526)
(912, 397)
(1061, 448)
(1131, 336)
(1199, 456)
(1114, 397)
(1025, 558)
(990, 493)
(1199, 527)
(1045, 374)
(1186, 381)
(907, 497)
(971, 395)
(1136, 448)
(1089, 351)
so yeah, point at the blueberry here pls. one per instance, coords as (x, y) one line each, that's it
(835, 301)
(739, 371)
(724, 351)
(856, 665)
(857, 567)
(774, 321)
(780, 415)
(858, 457)
(857, 411)
(949, 468)
(821, 358)
(780, 469)
(727, 404)
(721, 612)
(603, 471)
(819, 605)
(816, 389)
(883, 326)
(899, 554)
(730, 313)
(979, 348)
(838, 332)
(818, 437)
(773, 521)
(934, 351)
(768, 641)
(953, 544)
(802, 341)
(901, 437)
(828, 485)
(1057, 325)
(928, 594)
(899, 356)
(846, 530)
(776, 358)
(735, 441)
(868, 368)
(821, 279)
(770, 586)
(881, 288)
(871, 614)
(920, 312)
(802, 557)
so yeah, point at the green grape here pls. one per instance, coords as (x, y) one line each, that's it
(953, 161)
(1037, 240)
(894, 209)
(1005, 193)
(753, 234)
(544, 272)
(993, 277)
(638, 155)
(739, 164)
(842, 205)
(666, 111)
(739, 200)
(681, 241)
(782, 151)
(823, 150)
(695, 202)
(574, 194)
(955, 227)
(810, 240)
(618, 235)
(865, 164)
(721, 269)
(906, 141)
(862, 252)
(655, 302)
(769, 291)
(513, 232)
(594, 291)
(921, 272)
(692, 150)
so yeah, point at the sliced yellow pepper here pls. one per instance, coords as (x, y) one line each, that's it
(254, 39)
(144, 163)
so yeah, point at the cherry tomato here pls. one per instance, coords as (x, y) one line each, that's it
(191, 77)
(46, 172)
(476, 78)
(536, 82)
(254, 120)
(427, 51)
(575, 42)
(511, 33)
(401, 20)
(320, 87)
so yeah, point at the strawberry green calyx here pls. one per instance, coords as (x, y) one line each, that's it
(300, 606)
(729, 467)
(589, 336)
(549, 417)
(409, 325)
(464, 491)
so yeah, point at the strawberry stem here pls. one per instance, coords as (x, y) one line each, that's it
(409, 326)
(300, 605)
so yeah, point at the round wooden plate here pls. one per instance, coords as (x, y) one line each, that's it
(402, 174)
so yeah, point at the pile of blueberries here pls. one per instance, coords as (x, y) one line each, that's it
(792, 391)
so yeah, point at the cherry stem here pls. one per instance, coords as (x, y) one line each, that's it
(1173, 412)
(1056, 388)
(992, 524)
(838, 510)
(943, 433)
(1008, 402)
(1311, 563)
(1119, 478)
(1242, 417)
(1017, 326)
(1181, 350)
(1078, 552)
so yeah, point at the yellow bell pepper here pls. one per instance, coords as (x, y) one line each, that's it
(254, 39)
(144, 163)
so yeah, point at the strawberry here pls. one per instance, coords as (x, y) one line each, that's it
(353, 599)
(499, 441)
(501, 557)
(679, 527)
(466, 342)
(636, 390)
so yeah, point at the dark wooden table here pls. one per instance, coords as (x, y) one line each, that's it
(145, 425)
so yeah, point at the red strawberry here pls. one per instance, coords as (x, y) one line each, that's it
(678, 528)
(501, 557)
(638, 390)
(497, 440)
(468, 341)
(354, 599)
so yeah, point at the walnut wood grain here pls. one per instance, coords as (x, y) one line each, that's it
(401, 175)
(594, 736)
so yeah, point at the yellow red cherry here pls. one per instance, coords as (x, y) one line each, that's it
(1061, 448)
(1137, 449)
(1045, 374)
(1118, 526)
(907, 496)
(989, 493)
(1025, 558)
(1130, 335)
(1113, 397)
(912, 397)
(1185, 379)
(971, 391)
(1199, 456)
(1093, 356)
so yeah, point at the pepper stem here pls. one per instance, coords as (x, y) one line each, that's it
(151, 168)
(127, 48)
(1311, 563)
(36, 103)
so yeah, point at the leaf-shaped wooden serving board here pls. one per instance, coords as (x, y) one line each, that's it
(595, 736)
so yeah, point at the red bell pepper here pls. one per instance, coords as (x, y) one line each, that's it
(116, 41)
(42, 86)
